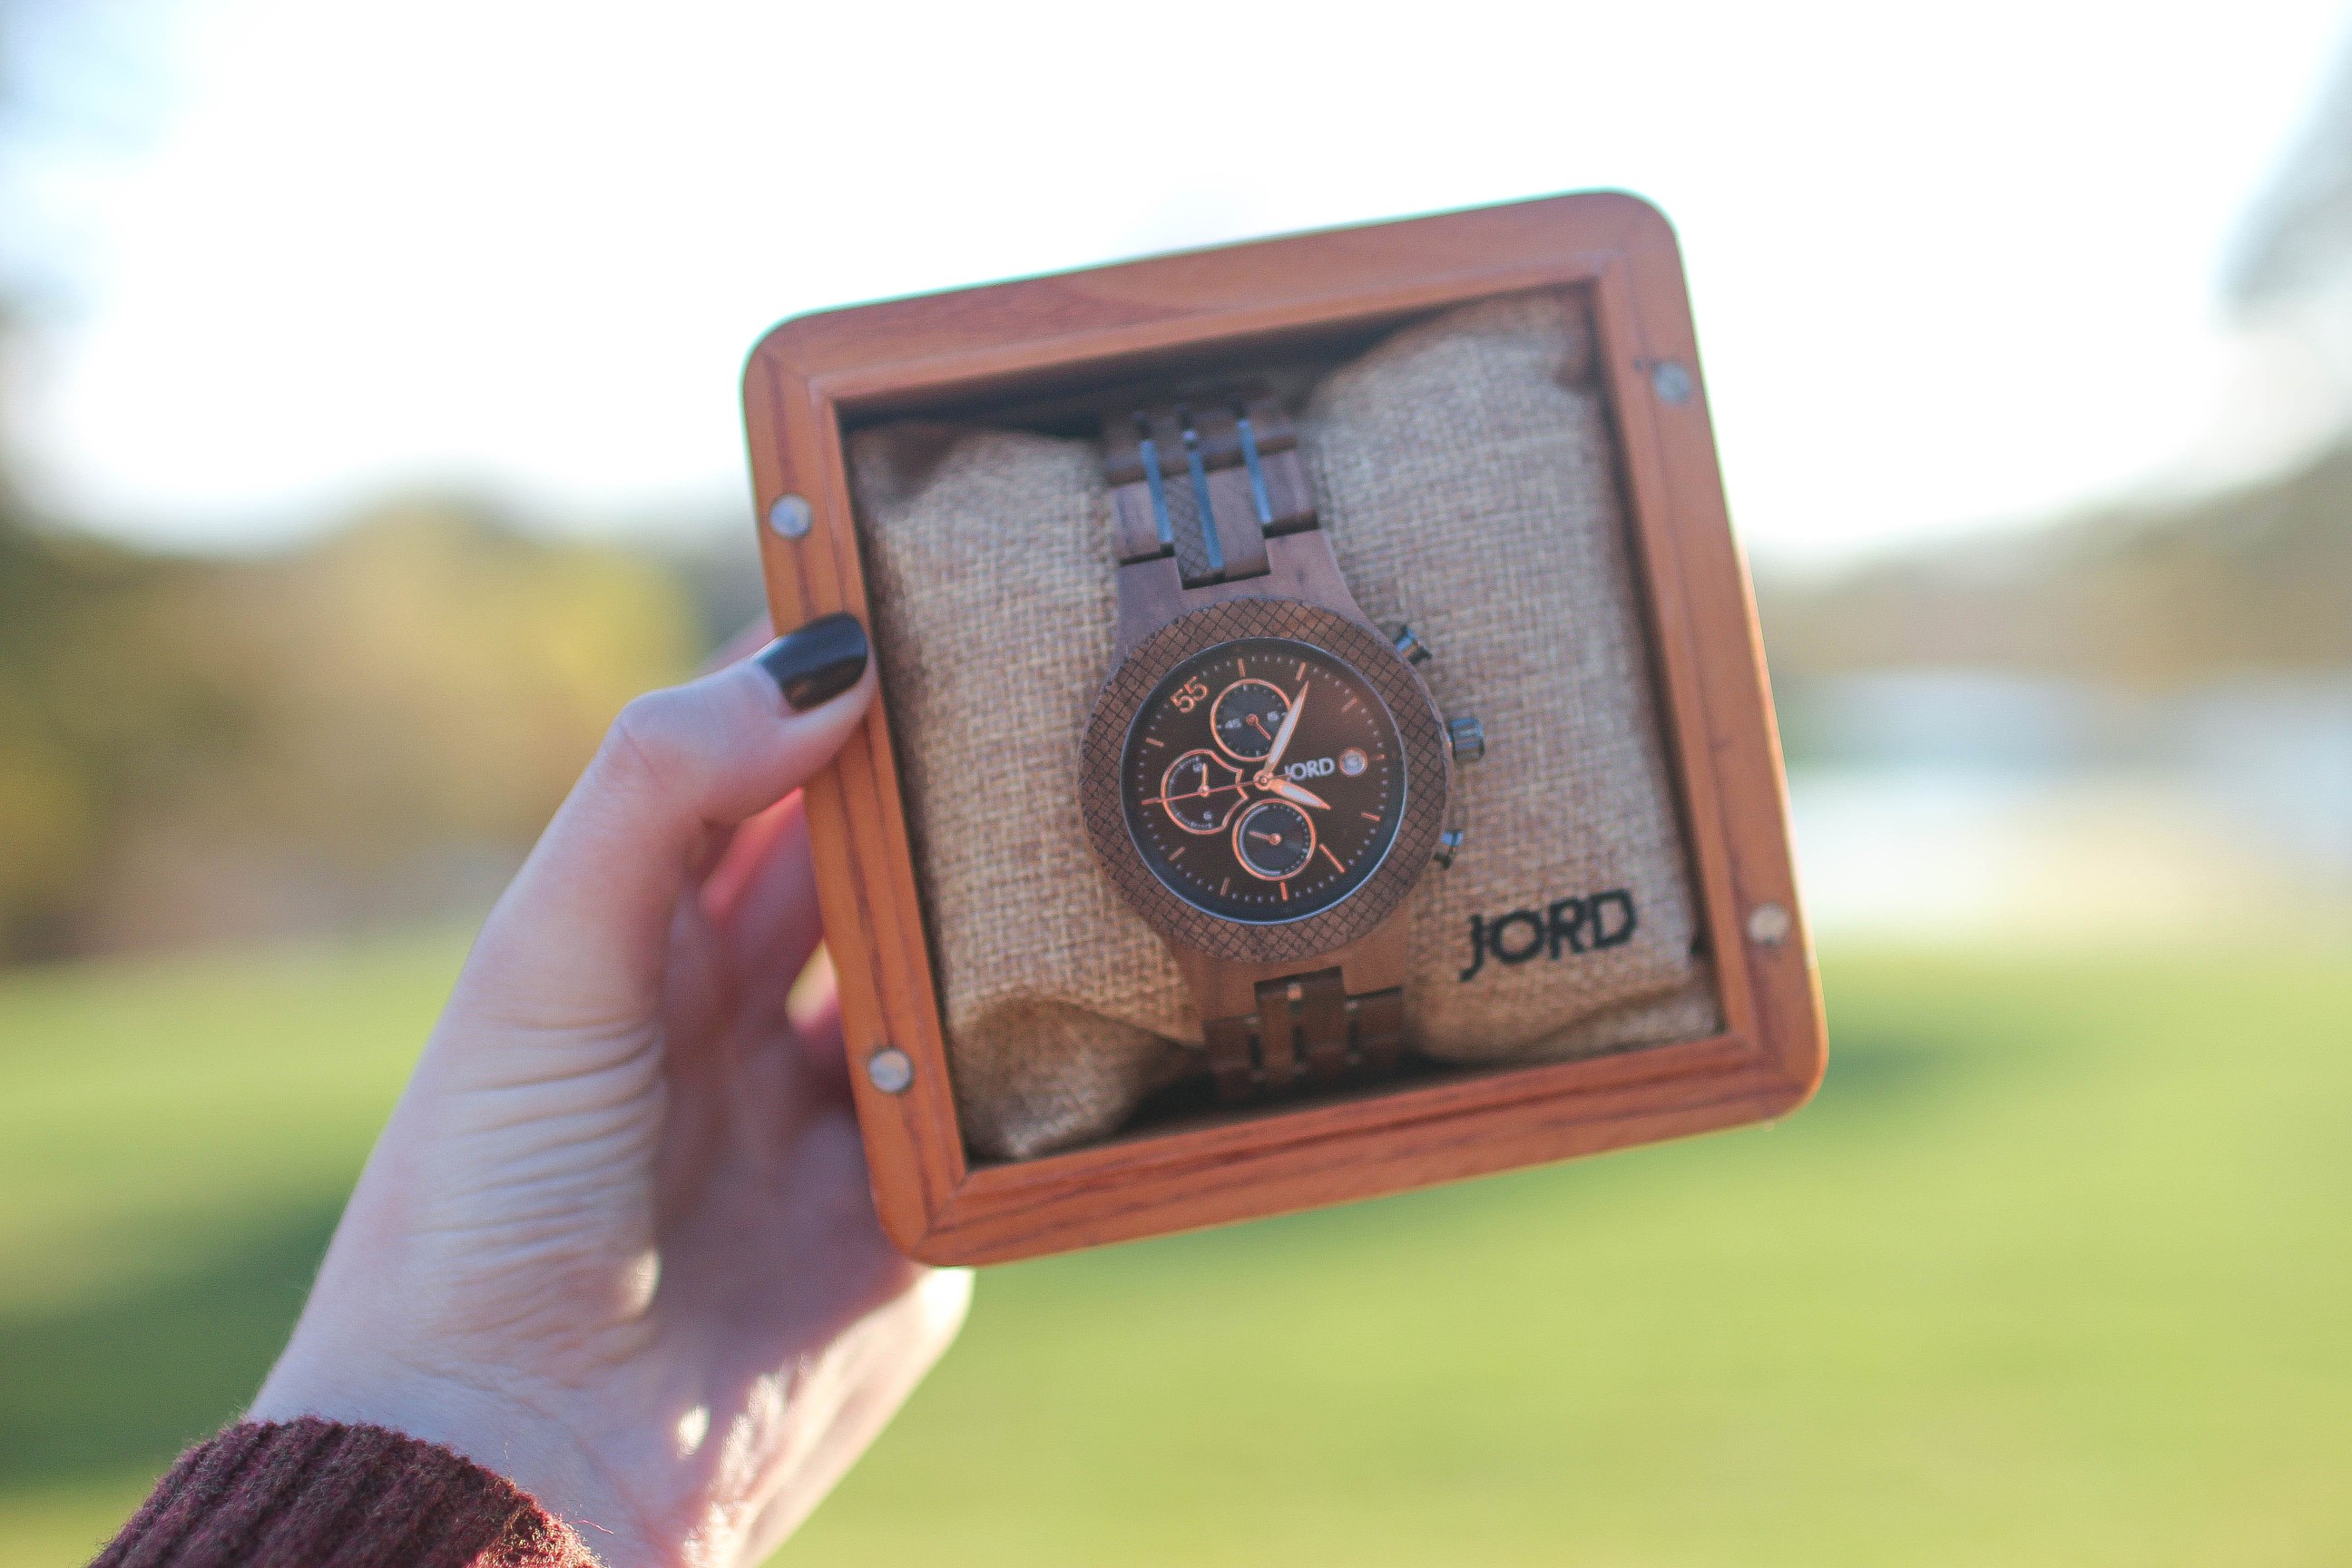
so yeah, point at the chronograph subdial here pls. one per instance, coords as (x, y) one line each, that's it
(1274, 840)
(1246, 716)
(1199, 791)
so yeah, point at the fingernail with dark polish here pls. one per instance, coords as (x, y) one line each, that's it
(817, 663)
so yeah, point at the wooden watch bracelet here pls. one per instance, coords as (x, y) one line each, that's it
(1306, 1029)
(1207, 482)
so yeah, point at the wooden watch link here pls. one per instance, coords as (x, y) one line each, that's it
(1264, 777)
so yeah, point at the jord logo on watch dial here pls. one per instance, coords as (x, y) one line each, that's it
(1262, 782)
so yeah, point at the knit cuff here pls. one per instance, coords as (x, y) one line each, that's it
(312, 1492)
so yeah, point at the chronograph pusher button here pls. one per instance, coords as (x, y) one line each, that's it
(1410, 646)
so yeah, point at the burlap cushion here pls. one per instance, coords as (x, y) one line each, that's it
(1464, 469)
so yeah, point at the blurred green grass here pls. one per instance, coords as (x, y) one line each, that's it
(2054, 1272)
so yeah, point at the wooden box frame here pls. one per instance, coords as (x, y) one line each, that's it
(1039, 336)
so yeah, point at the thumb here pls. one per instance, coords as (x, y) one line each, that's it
(581, 937)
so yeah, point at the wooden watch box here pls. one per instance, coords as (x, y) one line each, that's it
(814, 380)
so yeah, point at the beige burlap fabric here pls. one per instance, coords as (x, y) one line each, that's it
(1464, 469)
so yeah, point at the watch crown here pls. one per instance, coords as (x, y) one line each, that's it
(1469, 738)
(1414, 650)
(1449, 844)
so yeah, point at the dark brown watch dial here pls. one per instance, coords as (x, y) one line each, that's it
(1262, 780)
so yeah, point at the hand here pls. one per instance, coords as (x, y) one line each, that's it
(616, 1242)
(1298, 794)
(1282, 736)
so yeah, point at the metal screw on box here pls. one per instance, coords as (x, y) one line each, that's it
(1671, 380)
(1768, 925)
(789, 517)
(891, 1070)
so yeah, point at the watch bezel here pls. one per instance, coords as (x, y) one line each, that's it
(1420, 734)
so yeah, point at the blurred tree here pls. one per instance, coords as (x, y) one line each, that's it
(53, 781)
(369, 728)
(412, 698)
(79, 721)
(2256, 580)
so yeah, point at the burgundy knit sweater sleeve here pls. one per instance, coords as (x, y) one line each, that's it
(313, 1494)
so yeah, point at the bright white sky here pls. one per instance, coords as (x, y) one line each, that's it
(1951, 266)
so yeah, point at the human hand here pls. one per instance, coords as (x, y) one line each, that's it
(616, 1242)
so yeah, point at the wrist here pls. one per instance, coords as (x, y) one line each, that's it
(504, 1430)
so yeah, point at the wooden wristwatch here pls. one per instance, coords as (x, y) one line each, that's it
(1264, 777)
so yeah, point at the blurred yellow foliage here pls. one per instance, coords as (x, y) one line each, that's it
(366, 729)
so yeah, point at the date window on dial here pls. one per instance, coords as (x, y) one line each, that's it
(1351, 762)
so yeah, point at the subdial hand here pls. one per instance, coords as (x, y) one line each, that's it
(1294, 792)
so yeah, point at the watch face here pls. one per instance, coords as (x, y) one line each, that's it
(1262, 780)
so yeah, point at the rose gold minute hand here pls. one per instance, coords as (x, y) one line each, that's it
(1282, 736)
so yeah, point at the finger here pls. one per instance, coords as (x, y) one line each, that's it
(698, 989)
(757, 634)
(814, 1013)
(579, 938)
(761, 897)
(738, 866)
(775, 925)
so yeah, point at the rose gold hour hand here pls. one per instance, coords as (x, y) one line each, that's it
(1292, 792)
